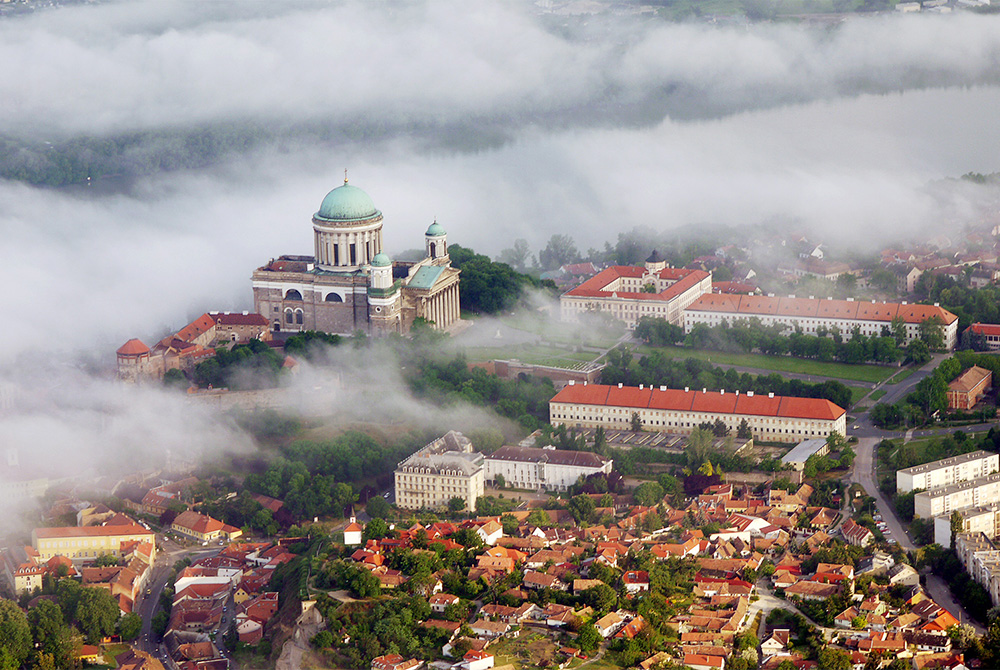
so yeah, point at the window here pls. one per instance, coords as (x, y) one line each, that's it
(334, 297)
(289, 318)
(298, 316)
(292, 294)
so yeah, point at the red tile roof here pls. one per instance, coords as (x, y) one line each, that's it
(236, 319)
(199, 326)
(815, 307)
(698, 401)
(134, 347)
(985, 328)
(597, 286)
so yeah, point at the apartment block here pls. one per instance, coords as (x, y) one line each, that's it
(978, 520)
(960, 496)
(947, 471)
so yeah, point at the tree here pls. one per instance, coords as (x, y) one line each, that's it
(500, 481)
(636, 422)
(834, 659)
(129, 626)
(588, 638)
(15, 635)
(917, 353)
(560, 250)
(97, 614)
(648, 494)
(322, 639)
(50, 632)
(601, 597)
(582, 508)
(932, 333)
(957, 524)
(378, 508)
(456, 505)
(376, 529)
(743, 431)
(516, 256)
(509, 523)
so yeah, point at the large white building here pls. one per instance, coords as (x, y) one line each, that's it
(444, 469)
(771, 418)
(984, 520)
(629, 293)
(547, 468)
(947, 471)
(960, 496)
(811, 314)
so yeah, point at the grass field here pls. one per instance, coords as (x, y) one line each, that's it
(861, 373)
(857, 393)
(530, 353)
(876, 395)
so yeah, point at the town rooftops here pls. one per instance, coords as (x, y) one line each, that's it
(586, 459)
(946, 462)
(710, 402)
(819, 308)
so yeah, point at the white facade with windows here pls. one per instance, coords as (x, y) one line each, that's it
(444, 469)
(947, 471)
(548, 468)
(947, 499)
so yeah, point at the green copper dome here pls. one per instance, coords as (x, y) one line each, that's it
(346, 203)
(436, 230)
(381, 261)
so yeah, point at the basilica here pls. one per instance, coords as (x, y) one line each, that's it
(350, 284)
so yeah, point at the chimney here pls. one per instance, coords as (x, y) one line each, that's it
(663, 388)
(572, 382)
(749, 394)
(584, 382)
(904, 302)
(737, 391)
(686, 389)
(770, 395)
(640, 387)
(722, 391)
(620, 384)
(937, 304)
(812, 297)
(704, 390)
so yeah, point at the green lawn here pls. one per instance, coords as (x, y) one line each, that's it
(876, 395)
(857, 393)
(861, 373)
(529, 353)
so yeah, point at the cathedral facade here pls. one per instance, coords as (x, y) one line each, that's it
(350, 284)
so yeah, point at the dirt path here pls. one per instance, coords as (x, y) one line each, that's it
(295, 648)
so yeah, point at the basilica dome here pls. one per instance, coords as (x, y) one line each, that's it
(346, 203)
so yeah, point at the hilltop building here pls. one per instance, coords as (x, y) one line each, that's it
(810, 314)
(190, 345)
(444, 469)
(629, 293)
(349, 283)
(772, 418)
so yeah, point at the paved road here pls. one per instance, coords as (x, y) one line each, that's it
(165, 559)
(863, 473)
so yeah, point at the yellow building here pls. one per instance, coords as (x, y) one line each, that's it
(444, 469)
(87, 543)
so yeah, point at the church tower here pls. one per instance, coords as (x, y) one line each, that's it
(384, 304)
(436, 242)
(347, 229)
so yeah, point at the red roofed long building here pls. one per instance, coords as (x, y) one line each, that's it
(772, 418)
(629, 293)
(812, 313)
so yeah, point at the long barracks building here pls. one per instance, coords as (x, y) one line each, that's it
(809, 314)
(771, 418)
